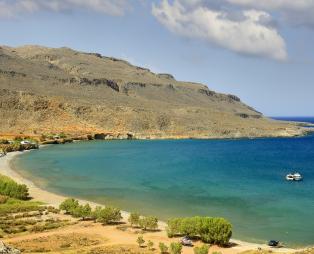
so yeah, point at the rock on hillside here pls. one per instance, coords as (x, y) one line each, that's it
(7, 250)
(47, 90)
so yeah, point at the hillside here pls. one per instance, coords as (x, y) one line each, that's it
(47, 90)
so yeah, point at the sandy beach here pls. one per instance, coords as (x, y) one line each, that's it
(114, 235)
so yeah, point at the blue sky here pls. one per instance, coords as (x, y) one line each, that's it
(262, 51)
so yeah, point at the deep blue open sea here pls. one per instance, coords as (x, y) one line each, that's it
(242, 180)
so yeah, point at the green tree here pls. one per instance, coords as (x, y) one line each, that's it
(140, 241)
(82, 211)
(134, 219)
(175, 248)
(150, 245)
(163, 248)
(148, 223)
(109, 215)
(201, 250)
(69, 205)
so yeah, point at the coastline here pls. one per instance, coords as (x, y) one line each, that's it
(42, 195)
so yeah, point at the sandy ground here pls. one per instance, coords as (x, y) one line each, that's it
(114, 235)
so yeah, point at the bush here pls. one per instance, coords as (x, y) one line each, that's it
(175, 248)
(201, 250)
(209, 230)
(69, 205)
(163, 248)
(3, 199)
(150, 223)
(140, 241)
(51, 209)
(134, 219)
(150, 245)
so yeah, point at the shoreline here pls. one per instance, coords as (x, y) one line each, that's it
(39, 194)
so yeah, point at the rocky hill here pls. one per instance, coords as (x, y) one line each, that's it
(47, 90)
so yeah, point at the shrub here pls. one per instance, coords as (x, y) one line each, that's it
(10, 188)
(52, 209)
(201, 250)
(150, 245)
(134, 219)
(175, 248)
(150, 223)
(210, 230)
(140, 241)
(69, 205)
(163, 248)
(108, 215)
(3, 199)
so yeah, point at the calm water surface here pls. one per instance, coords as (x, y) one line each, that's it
(241, 180)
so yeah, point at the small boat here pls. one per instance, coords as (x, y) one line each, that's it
(294, 177)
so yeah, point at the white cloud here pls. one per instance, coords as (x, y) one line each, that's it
(249, 32)
(300, 12)
(276, 4)
(14, 8)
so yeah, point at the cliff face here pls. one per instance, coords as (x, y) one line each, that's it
(45, 90)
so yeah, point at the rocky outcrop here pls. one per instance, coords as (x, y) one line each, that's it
(206, 92)
(166, 76)
(4, 249)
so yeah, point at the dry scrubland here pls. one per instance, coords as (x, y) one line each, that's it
(46, 90)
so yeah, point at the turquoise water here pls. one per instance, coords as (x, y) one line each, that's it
(241, 180)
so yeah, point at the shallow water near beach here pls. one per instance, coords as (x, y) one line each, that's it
(241, 180)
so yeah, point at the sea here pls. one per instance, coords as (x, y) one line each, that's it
(242, 180)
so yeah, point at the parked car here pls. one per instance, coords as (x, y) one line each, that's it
(273, 243)
(186, 241)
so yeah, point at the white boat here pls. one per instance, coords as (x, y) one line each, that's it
(294, 177)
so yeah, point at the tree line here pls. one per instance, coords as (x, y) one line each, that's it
(209, 230)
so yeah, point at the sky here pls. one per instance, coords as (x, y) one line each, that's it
(259, 50)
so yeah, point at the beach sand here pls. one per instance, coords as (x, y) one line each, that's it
(114, 235)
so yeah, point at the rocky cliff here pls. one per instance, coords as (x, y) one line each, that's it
(46, 90)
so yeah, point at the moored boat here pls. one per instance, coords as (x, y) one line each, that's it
(294, 177)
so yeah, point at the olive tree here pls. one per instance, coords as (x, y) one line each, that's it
(148, 223)
(134, 219)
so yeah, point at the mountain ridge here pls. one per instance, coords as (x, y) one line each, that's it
(52, 90)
